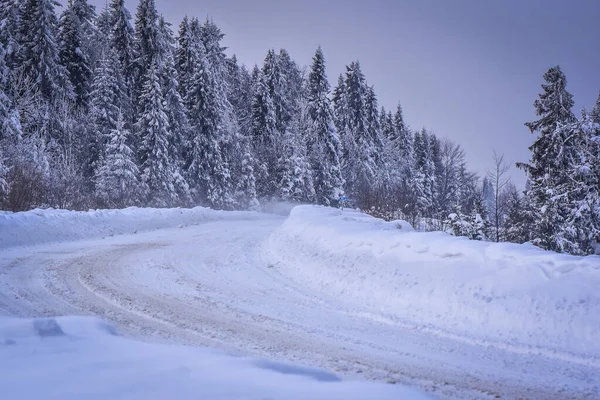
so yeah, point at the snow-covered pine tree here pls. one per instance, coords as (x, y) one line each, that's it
(122, 39)
(153, 129)
(359, 167)
(547, 169)
(117, 178)
(595, 113)
(265, 136)
(518, 223)
(479, 219)
(295, 180)
(9, 29)
(75, 30)
(105, 105)
(179, 142)
(10, 125)
(38, 56)
(576, 191)
(338, 98)
(424, 176)
(145, 46)
(279, 91)
(323, 141)
(209, 172)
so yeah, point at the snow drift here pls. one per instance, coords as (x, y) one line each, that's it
(46, 226)
(507, 295)
(83, 358)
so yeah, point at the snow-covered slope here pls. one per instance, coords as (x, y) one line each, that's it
(507, 295)
(49, 225)
(82, 358)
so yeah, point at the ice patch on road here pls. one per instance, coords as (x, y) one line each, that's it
(514, 296)
(101, 366)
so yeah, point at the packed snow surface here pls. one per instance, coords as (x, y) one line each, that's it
(82, 358)
(332, 290)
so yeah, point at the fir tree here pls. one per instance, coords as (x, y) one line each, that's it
(117, 178)
(10, 125)
(548, 165)
(38, 55)
(358, 163)
(122, 38)
(76, 24)
(145, 45)
(179, 142)
(295, 180)
(9, 29)
(106, 99)
(153, 128)
(209, 171)
(264, 134)
(595, 113)
(324, 144)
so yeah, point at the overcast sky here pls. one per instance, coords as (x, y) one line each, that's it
(465, 69)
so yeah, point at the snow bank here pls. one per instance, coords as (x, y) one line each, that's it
(83, 359)
(507, 295)
(45, 226)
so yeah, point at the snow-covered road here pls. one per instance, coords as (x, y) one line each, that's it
(212, 285)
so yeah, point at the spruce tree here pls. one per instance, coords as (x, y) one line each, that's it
(324, 144)
(145, 46)
(353, 113)
(295, 181)
(76, 24)
(38, 56)
(264, 135)
(117, 178)
(10, 125)
(9, 29)
(105, 106)
(153, 129)
(548, 166)
(122, 39)
(179, 142)
(208, 171)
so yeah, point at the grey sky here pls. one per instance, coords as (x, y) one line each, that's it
(465, 69)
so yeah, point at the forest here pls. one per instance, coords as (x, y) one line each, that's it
(102, 109)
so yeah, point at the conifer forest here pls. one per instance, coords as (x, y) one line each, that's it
(113, 108)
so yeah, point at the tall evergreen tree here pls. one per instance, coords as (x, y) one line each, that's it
(153, 128)
(38, 52)
(122, 38)
(179, 142)
(264, 134)
(324, 144)
(76, 27)
(117, 178)
(9, 29)
(209, 171)
(548, 165)
(145, 45)
(106, 100)
(359, 164)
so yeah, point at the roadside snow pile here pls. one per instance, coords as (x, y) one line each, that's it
(82, 358)
(512, 296)
(44, 226)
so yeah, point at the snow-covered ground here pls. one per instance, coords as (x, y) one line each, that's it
(81, 358)
(327, 289)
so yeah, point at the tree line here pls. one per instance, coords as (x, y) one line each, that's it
(102, 109)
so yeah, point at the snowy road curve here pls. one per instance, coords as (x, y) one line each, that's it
(209, 285)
